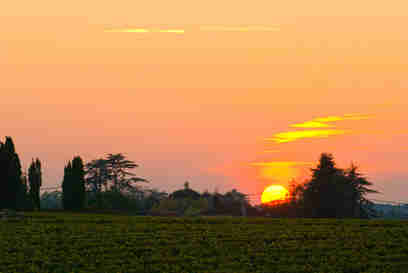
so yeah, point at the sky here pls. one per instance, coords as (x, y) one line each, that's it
(223, 94)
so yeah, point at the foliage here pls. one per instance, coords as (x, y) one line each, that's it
(121, 176)
(10, 176)
(51, 200)
(35, 181)
(111, 174)
(65, 242)
(334, 192)
(331, 192)
(185, 193)
(73, 185)
(231, 203)
(136, 201)
(24, 199)
(181, 207)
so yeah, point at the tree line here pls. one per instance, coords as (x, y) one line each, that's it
(109, 183)
(17, 191)
(331, 192)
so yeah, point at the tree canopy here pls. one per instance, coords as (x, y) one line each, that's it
(35, 181)
(10, 175)
(73, 185)
(335, 192)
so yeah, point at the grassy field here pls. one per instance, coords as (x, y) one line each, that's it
(61, 242)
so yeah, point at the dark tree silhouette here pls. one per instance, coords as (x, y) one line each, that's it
(119, 169)
(67, 190)
(111, 181)
(185, 193)
(35, 181)
(97, 177)
(10, 175)
(24, 200)
(73, 185)
(78, 180)
(334, 192)
(361, 206)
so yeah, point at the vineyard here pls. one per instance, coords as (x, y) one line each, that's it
(62, 242)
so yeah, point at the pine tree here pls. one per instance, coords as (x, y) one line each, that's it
(319, 196)
(334, 192)
(35, 181)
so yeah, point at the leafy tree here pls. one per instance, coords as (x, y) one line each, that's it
(97, 177)
(361, 206)
(35, 181)
(119, 169)
(10, 176)
(111, 182)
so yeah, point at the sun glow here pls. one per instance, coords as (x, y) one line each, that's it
(274, 193)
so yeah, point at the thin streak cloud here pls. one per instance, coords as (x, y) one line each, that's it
(323, 122)
(145, 30)
(316, 128)
(129, 30)
(240, 28)
(297, 135)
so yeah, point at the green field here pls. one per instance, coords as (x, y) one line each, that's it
(61, 242)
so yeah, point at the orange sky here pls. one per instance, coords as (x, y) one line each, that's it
(206, 105)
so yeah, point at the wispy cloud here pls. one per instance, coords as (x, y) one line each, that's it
(324, 121)
(172, 31)
(129, 30)
(208, 28)
(240, 28)
(316, 128)
(146, 30)
(296, 135)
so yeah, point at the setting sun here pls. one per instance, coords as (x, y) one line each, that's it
(274, 193)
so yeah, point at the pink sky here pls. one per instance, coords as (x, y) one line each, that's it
(204, 105)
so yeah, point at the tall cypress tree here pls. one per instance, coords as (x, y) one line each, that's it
(10, 175)
(35, 181)
(73, 185)
(67, 187)
(78, 183)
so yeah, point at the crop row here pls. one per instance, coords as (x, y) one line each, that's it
(101, 243)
